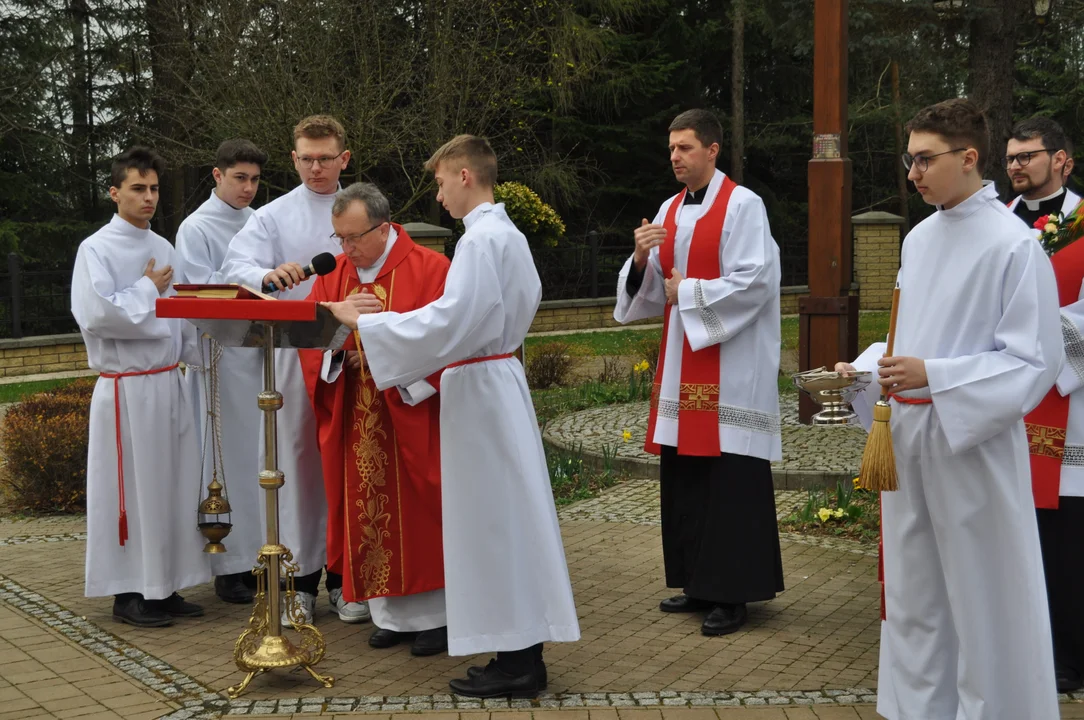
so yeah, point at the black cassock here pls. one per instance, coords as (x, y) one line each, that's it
(720, 538)
(1061, 535)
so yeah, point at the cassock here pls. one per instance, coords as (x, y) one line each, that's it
(1056, 443)
(506, 579)
(381, 456)
(715, 402)
(966, 630)
(1064, 201)
(141, 514)
(202, 240)
(293, 228)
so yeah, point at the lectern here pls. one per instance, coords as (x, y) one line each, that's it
(235, 316)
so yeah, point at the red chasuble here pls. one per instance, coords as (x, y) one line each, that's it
(698, 405)
(381, 457)
(1046, 424)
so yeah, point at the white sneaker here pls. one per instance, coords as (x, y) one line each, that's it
(307, 604)
(349, 612)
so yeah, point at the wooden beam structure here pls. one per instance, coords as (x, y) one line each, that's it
(828, 316)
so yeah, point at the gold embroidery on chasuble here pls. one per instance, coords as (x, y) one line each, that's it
(695, 396)
(1045, 441)
(371, 464)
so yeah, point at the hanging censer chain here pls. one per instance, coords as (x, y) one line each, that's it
(217, 501)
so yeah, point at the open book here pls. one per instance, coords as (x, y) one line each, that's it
(231, 291)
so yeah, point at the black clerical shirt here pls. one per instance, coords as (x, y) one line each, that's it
(1046, 207)
(636, 277)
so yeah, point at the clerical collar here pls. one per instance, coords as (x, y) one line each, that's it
(1035, 204)
(986, 194)
(696, 197)
(369, 274)
(123, 227)
(476, 214)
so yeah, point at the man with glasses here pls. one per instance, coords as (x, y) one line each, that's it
(270, 250)
(1057, 468)
(1036, 159)
(381, 449)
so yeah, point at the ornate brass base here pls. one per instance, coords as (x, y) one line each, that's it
(262, 646)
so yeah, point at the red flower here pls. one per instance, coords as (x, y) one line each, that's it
(1041, 222)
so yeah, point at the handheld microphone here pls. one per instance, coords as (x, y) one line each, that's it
(322, 264)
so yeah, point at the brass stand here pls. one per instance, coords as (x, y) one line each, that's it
(262, 646)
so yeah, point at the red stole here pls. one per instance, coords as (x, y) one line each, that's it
(698, 404)
(1046, 424)
(380, 457)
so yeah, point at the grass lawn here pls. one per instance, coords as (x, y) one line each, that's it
(872, 327)
(15, 392)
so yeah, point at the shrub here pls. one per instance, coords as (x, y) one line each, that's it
(548, 365)
(44, 442)
(534, 218)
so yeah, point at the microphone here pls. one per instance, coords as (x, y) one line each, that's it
(322, 264)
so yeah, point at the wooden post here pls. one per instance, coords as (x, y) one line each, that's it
(829, 316)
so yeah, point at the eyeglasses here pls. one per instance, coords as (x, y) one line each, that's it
(1024, 158)
(353, 239)
(321, 161)
(923, 161)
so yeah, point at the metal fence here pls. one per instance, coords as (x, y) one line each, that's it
(35, 300)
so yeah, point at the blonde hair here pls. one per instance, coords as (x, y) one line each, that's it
(315, 127)
(473, 153)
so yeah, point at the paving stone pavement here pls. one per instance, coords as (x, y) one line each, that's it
(812, 455)
(809, 654)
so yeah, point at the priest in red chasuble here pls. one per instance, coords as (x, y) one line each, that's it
(381, 450)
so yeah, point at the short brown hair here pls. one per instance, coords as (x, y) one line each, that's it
(315, 127)
(475, 153)
(959, 121)
(704, 125)
(238, 150)
(139, 158)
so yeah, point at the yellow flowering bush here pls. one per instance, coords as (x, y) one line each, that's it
(534, 218)
(44, 441)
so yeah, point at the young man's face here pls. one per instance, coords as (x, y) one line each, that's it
(452, 183)
(137, 197)
(691, 161)
(1033, 168)
(319, 162)
(237, 185)
(941, 180)
(362, 241)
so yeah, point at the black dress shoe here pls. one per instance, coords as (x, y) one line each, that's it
(131, 608)
(176, 606)
(540, 673)
(248, 579)
(232, 589)
(683, 604)
(724, 620)
(1068, 679)
(493, 682)
(382, 639)
(430, 642)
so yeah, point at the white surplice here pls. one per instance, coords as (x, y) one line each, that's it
(506, 579)
(114, 304)
(293, 228)
(967, 634)
(1071, 377)
(739, 311)
(202, 241)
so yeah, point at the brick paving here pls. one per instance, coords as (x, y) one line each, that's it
(812, 455)
(810, 654)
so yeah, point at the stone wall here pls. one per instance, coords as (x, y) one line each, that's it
(42, 354)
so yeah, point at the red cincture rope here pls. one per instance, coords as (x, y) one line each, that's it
(471, 361)
(115, 377)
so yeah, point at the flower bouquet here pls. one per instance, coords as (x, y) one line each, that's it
(1057, 230)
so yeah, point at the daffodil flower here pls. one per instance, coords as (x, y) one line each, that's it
(824, 513)
(857, 482)
(626, 435)
(838, 513)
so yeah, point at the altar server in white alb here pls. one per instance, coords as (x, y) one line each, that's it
(202, 240)
(276, 242)
(708, 264)
(978, 343)
(143, 457)
(506, 580)
(1035, 159)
